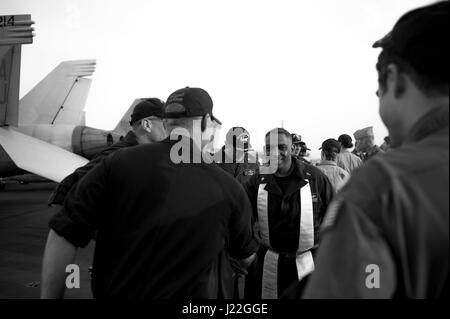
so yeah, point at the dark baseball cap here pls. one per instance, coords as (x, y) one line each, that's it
(331, 145)
(345, 140)
(303, 146)
(296, 138)
(238, 136)
(147, 107)
(189, 102)
(238, 132)
(420, 37)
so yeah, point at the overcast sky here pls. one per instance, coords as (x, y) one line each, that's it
(306, 64)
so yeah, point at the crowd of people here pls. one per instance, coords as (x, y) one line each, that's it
(367, 223)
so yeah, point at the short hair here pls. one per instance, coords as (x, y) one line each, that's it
(330, 155)
(429, 85)
(279, 131)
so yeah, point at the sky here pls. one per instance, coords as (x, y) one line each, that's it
(305, 65)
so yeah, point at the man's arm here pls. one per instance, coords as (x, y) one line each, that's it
(73, 226)
(63, 188)
(57, 255)
(242, 240)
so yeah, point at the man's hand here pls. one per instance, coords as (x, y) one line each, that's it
(240, 265)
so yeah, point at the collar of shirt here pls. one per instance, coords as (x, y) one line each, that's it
(325, 162)
(431, 122)
(297, 175)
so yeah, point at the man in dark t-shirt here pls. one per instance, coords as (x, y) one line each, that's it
(165, 228)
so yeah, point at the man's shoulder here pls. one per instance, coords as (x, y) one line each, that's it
(403, 165)
(311, 171)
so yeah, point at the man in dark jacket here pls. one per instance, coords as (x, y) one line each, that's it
(146, 127)
(166, 223)
(237, 156)
(387, 235)
(288, 208)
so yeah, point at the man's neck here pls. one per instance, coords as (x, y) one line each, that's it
(418, 106)
(285, 171)
(187, 133)
(142, 139)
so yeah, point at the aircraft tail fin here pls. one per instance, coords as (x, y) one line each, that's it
(60, 97)
(124, 124)
(15, 30)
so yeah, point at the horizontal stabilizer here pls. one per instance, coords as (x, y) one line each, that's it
(39, 157)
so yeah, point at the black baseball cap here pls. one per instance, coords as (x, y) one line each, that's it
(147, 107)
(420, 37)
(237, 132)
(331, 145)
(345, 140)
(238, 136)
(189, 102)
(303, 146)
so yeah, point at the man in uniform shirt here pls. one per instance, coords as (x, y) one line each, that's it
(346, 159)
(165, 227)
(386, 235)
(237, 157)
(288, 208)
(365, 143)
(146, 127)
(337, 175)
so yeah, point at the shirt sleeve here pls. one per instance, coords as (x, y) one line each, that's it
(242, 239)
(80, 216)
(353, 260)
(63, 188)
(326, 193)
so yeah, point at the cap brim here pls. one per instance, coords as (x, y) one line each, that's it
(216, 119)
(383, 42)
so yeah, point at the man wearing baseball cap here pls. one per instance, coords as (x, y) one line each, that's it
(337, 175)
(386, 235)
(146, 127)
(296, 140)
(346, 159)
(164, 229)
(237, 156)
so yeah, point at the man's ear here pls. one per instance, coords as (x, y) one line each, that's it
(395, 80)
(147, 125)
(205, 120)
